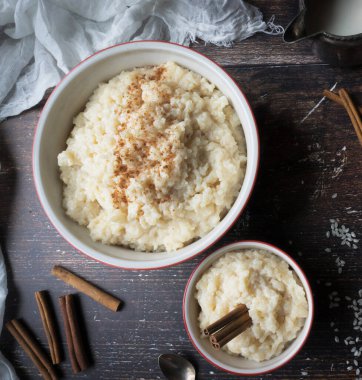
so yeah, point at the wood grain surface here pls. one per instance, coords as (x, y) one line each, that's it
(310, 172)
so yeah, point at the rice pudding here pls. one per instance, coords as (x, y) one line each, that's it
(155, 160)
(271, 291)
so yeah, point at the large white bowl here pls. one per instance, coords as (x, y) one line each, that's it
(69, 98)
(220, 359)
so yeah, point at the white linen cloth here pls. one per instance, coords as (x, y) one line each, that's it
(41, 40)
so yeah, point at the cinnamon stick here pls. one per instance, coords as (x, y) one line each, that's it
(32, 349)
(77, 338)
(352, 112)
(226, 339)
(87, 288)
(229, 317)
(75, 341)
(68, 336)
(336, 98)
(225, 331)
(49, 325)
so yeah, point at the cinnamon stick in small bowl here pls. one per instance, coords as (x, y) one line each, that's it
(87, 288)
(229, 317)
(229, 326)
(227, 334)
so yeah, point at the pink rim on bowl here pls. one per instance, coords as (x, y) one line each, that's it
(76, 243)
(189, 293)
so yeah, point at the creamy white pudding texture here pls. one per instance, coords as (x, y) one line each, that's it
(155, 160)
(268, 287)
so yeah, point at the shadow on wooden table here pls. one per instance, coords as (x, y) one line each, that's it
(285, 194)
(284, 175)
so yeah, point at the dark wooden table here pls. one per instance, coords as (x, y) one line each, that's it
(310, 172)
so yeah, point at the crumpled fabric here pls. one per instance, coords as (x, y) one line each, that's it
(41, 40)
(6, 370)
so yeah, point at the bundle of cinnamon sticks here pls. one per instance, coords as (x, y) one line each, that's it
(355, 113)
(229, 326)
(78, 352)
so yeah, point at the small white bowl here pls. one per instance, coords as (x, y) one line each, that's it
(70, 97)
(220, 359)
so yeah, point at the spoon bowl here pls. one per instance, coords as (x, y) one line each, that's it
(175, 367)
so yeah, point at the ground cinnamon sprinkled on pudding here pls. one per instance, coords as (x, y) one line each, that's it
(155, 160)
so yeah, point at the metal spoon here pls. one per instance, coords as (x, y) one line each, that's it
(175, 367)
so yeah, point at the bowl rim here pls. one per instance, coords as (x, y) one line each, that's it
(38, 184)
(261, 245)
